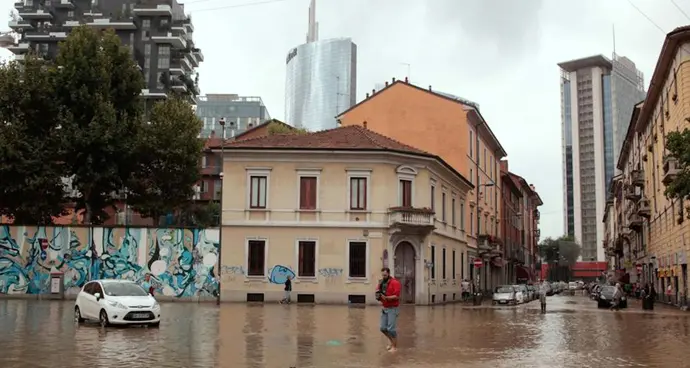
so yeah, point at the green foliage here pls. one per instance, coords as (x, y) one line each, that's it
(678, 146)
(278, 128)
(168, 153)
(563, 250)
(199, 215)
(31, 190)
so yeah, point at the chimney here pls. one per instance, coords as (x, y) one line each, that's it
(429, 88)
(406, 80)
(393, 79)
(373, 92)
(367, 95)
(386, 83)
(504, 165)
(364, 124)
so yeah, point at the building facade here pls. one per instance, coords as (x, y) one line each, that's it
(158, 33)
(457, 132)
(648, 241)
(240, 113)
(331, 217)
(597, 96)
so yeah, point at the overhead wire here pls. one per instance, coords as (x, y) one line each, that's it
(242, 5)
(680, 9)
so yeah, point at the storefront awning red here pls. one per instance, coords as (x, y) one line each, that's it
(522, 273)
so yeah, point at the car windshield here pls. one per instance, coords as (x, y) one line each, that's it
(607, 290)
(504, 289)
(520, 287)
(123, 289)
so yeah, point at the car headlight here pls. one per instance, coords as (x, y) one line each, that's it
(116, 304)
(156, 305)
(603, 297)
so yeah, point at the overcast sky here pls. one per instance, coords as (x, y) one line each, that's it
(499, 53)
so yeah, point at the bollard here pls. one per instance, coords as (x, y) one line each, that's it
(57, 285)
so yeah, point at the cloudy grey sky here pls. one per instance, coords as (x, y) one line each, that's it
(499, 53)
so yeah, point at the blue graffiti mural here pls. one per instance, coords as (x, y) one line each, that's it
(182, 262)
(279, 274)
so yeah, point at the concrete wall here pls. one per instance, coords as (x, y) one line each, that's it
(183, 262)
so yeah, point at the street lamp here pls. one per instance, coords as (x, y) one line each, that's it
(220, 216)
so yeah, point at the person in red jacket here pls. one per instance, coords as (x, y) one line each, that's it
(388, 293)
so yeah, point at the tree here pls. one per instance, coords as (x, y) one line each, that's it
(31, 189)
(168, 153)
(279, 128)
(678, 146)
(199, 215)
(99, 83)
(561, 254)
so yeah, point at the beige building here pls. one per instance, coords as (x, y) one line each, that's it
(655, 231)
(334, 207)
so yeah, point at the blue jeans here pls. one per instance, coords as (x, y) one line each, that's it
(389, 321)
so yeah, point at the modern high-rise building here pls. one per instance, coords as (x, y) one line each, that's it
(321, 79)
(158, 33)
(240, 113)
(597, 99)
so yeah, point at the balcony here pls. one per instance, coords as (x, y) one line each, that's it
(635, 222)
(19, 5)
(198, 55)
(671, 169)
(150, 94)
(410, 219)
(643, 208)
(186, 65)
(178, 85)
(20, 48)
(36, 14)
(188, 24)
(192, 59)
(537, 233)
(176, 70)
(105, 23)
(64, 4)
(175, 41)
(20, 57)
(153, 11)
(537, 215)
(18, 25)
(637, 178)
(45, 36)
(632, 193)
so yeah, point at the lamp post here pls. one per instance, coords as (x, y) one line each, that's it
(220, 215)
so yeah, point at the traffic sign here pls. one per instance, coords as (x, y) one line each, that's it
(478, 262)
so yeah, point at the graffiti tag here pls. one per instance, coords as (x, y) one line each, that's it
(331, 272)
(233, 270)
(279, 274)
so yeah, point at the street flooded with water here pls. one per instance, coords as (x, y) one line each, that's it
(573, 333)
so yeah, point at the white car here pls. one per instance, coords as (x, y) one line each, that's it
(520, 293)
(116, 302)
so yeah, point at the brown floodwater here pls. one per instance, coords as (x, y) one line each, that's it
(573, 333)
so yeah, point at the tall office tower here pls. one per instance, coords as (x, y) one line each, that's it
(597, 99)
(240, 113)
(158, 33)
(321, 79)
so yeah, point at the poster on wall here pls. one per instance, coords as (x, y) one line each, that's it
(55, 285)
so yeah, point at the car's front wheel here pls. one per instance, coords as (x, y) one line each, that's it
(77, 315)
(103, 318)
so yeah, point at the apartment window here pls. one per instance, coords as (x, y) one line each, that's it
(462, 265)
(453, 265)
(216, 189)
(358, 193)
(257, 191)
(307, 192)
(357, 259)
(146, 24)
(204, 186)
(443, 206)
(471, 176)
(462, 215)
(256, 258)
(47, 3)
(443, 263)
(433, 262)
(484, 159)
(452, 211)
(164, 57)
(28, 3)
(433, 198)
(307, 259)
(203, 162)
(70, 14)
(471, 221)
(406, 193)
(471, 144)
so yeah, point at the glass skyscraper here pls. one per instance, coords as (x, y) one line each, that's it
(597, 99)
(321, 80)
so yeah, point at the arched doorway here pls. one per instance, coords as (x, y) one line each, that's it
(405, 270)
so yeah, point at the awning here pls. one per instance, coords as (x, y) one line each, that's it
(497, 262)
(522, 273)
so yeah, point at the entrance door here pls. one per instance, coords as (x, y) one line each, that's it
(405, 271)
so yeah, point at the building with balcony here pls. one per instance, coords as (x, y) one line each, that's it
(597, 97)
(158, 33)
(331, 209)
(241, 113)
(655, 229)
(455, 130)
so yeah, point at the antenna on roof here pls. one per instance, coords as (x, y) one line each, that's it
(613, 28)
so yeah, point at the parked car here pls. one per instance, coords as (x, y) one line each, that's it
(605, 298)
(573, 285)
(534, 295)
(116, 302)
(521, 293)
(505, 294)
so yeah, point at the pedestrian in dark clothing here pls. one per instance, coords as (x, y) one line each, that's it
(652, 297)
(288, 290)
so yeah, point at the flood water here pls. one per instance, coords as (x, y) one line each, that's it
(573, 333)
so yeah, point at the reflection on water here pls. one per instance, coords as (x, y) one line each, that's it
(573, 333)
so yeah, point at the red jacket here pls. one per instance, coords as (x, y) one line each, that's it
(393, 288)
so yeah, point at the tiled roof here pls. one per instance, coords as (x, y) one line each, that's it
(344, 138)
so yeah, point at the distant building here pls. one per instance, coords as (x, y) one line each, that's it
(240, 113)
(321, 80)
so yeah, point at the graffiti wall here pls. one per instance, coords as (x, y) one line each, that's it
(182, 262)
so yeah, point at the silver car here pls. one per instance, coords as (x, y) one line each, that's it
(505, 294)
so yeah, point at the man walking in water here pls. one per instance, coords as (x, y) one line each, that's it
(388, 293)
(543, 289)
